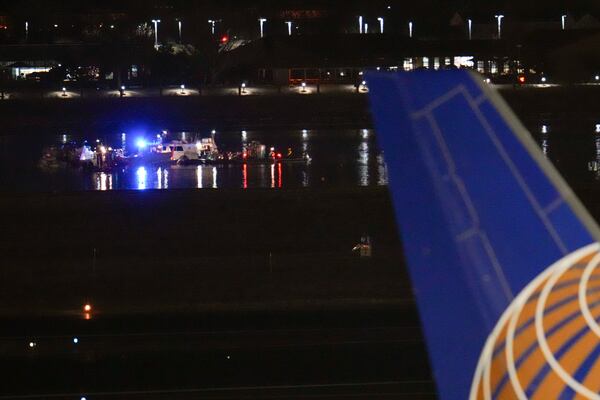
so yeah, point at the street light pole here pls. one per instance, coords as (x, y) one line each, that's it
(289, 26)
(179, 23)
(410, 29)
(499, 18)
(156, 22)
(212, 25)
(262, 26)
(26, 30)
(380, 19)
(470, 23)
(360, 24)
(563, 21)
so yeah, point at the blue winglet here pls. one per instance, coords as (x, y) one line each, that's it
(482, 214)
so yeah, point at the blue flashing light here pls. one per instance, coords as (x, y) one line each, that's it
(141, 143)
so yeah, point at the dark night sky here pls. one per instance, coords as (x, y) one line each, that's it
(524, 8)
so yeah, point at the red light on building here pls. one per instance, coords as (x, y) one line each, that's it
(224, 39)
(521, 79)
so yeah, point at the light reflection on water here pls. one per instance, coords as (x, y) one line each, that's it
(363, 163)
(103, 181)
(594, 166)
(336, 158)
(573, 148)
(141, 174)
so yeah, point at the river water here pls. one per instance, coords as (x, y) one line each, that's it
(338, 158)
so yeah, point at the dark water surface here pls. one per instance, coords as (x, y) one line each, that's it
(338, 158)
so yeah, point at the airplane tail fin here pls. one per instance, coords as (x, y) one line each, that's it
(486, 222)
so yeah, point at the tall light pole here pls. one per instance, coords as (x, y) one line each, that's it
(380, 19)
(360, 24)
(563, 21)
(156, 22)
(499, 18)
(26, 30)
(470, 26)
(366, 27)
(179, 27)
(212, 23)
(262, 21)
(410, 29)
(289, 26)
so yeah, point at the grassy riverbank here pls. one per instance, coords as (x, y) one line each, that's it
(198, 250)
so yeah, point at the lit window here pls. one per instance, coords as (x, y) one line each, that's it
(425, 62)
(436, 63)
(493, 67)
(408, 64)
(481, 67)
(463, 62)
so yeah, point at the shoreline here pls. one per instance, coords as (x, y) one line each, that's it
(268, 111)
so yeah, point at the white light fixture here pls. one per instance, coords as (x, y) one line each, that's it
(289, 26)
(563, 21)
(212, 23)
(262, 21)
(156, 22)
(380, 19)
(499, 19)
(470, 27)
(360, 24)
(410, 29)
